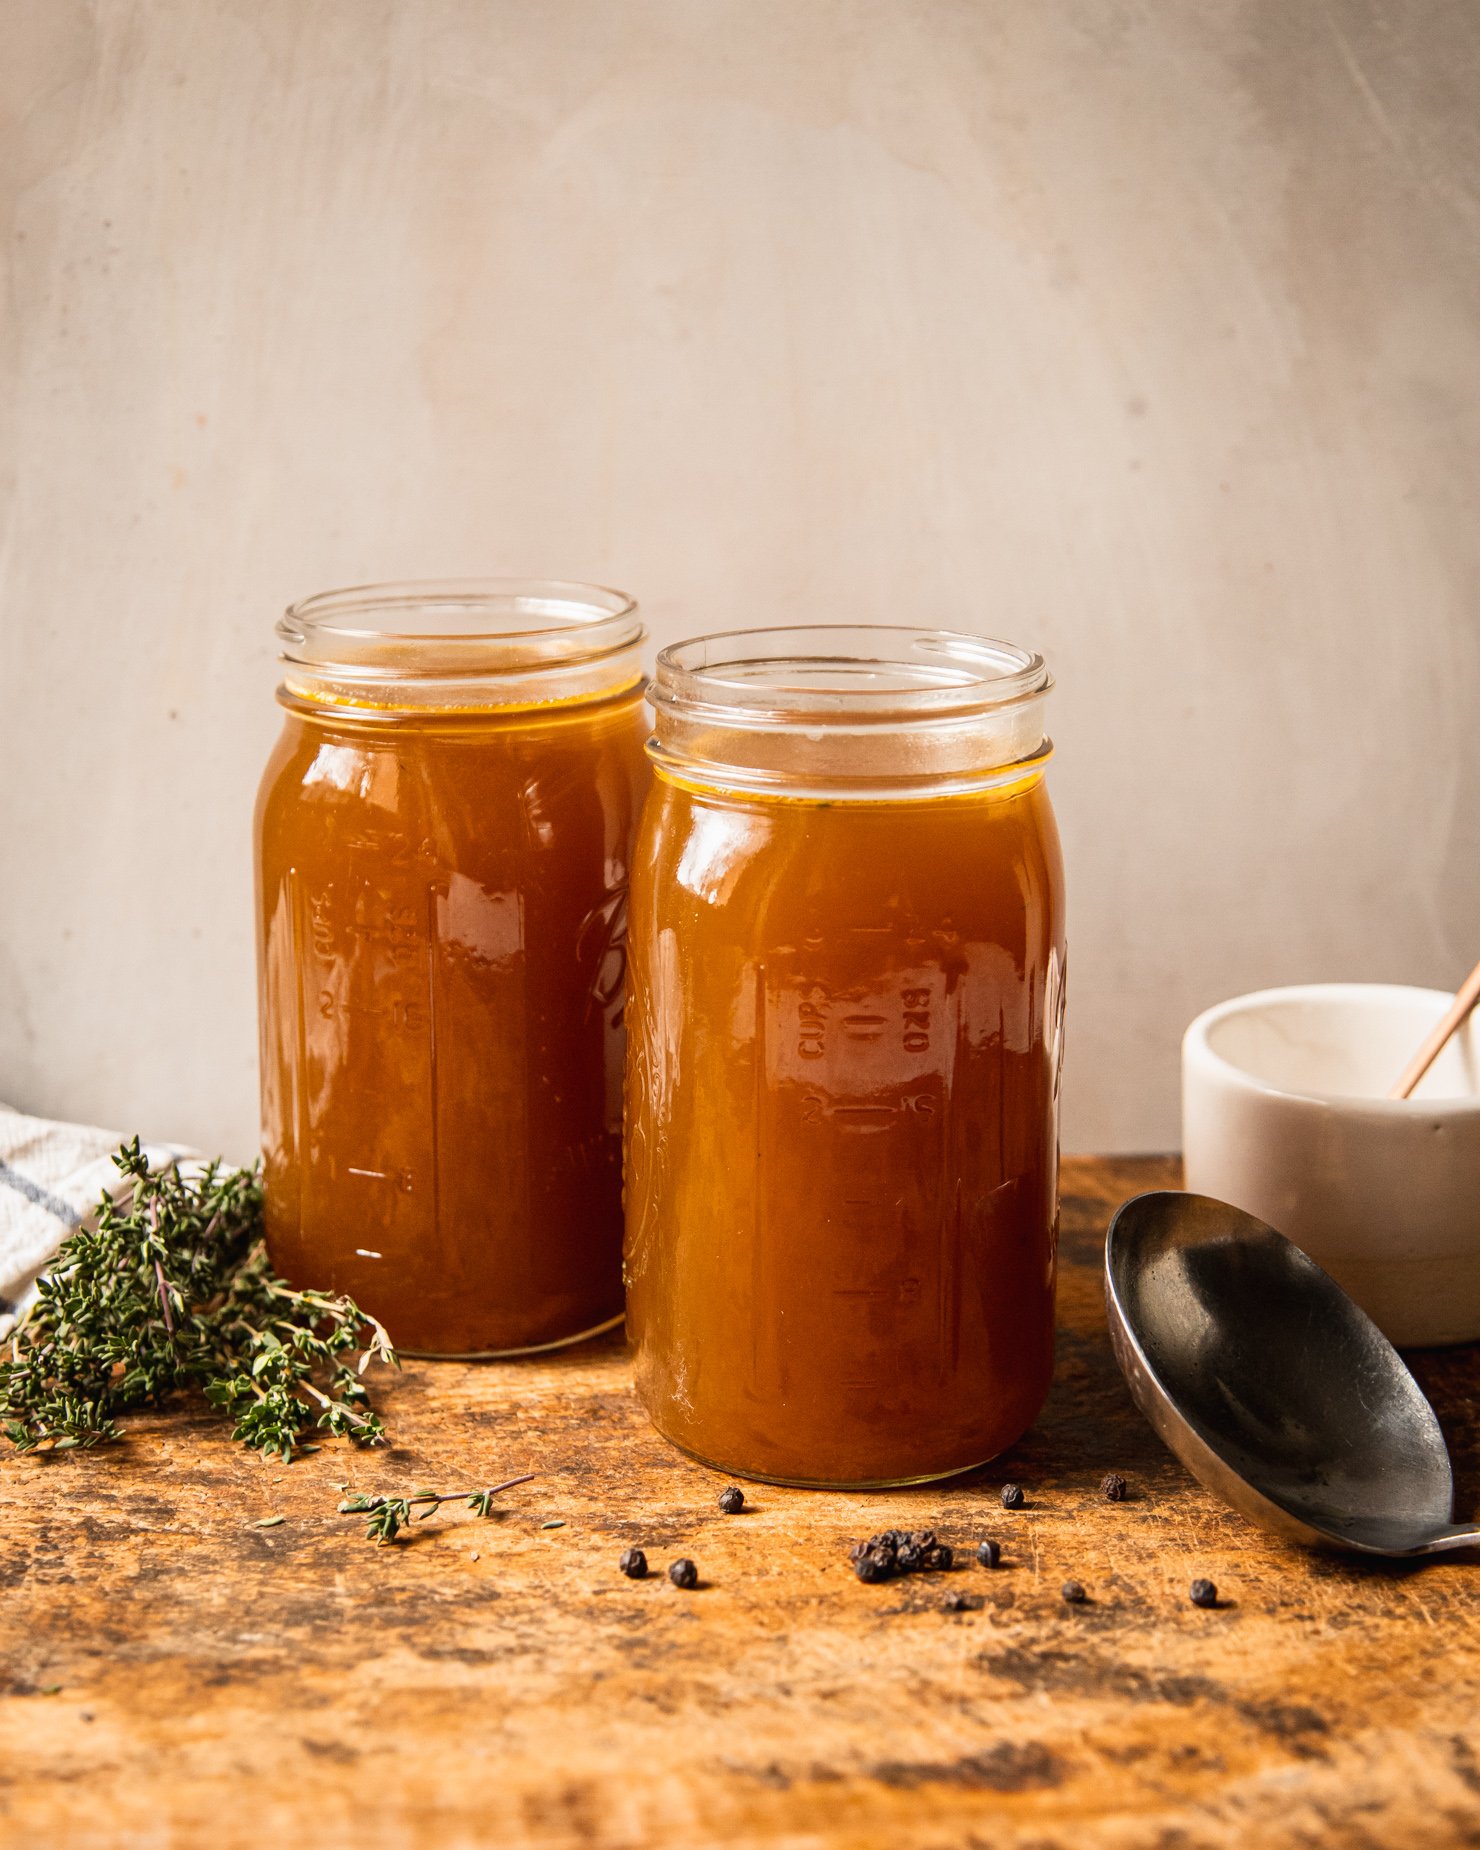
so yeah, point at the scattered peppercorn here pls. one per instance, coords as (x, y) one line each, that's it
(988, 1553)
(683, 1573)
(960, 1602)
(732, 1501)
(633, 1564)
(1203, 1593)
(1012, 1497)
(1074, 1592)
(1113, 1485)
(900, 1551)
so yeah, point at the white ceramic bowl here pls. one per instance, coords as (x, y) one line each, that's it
(1283, 1115)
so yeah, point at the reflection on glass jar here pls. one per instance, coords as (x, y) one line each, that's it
(846, 1012)
(443, 834)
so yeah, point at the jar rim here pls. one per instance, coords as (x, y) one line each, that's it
(460, 643)
(870, 712)
(845, 675)
(476, 626)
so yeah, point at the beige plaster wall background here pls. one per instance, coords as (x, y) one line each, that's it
(1149, 335)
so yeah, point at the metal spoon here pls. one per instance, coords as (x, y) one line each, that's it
(1270, 1384)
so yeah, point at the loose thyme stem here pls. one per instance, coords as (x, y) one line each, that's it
(389, 1515)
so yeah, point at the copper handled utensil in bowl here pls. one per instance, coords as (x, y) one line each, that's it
(1448, 1024)
(1271, 1385)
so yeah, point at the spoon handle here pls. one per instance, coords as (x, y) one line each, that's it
(1457, 1535)
(1469, 995)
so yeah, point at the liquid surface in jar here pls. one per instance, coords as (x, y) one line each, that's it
(442, 903)
(846, 1026)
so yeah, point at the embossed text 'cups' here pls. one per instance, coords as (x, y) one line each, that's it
(845, 1028)
(443, 834)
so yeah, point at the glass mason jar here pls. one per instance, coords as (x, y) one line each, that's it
(443, 833)
(845, 1031)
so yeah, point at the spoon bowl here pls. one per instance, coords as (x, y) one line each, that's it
(1270, 1384)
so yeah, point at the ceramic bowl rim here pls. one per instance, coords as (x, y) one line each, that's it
(1198, 1050)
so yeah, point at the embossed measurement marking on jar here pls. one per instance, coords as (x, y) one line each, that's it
(399, 1178)
(366, 959)
(406, 971)
(853, 1095)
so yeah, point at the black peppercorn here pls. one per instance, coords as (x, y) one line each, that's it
(988, 1553)
(1074, 1592)
(1012, 1496)
(900, 1551)
(1203, 1593)
(956, 1602)
(683, 1573)
(732, 1501)
(633, 1564)
(1113, 1486)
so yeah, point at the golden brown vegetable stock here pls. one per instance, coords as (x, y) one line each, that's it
(842, 1127)
(442, 918)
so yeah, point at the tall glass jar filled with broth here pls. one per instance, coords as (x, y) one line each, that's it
(443, 834)
(845, 1033)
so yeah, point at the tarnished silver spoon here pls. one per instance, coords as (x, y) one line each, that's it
(1270, 1384)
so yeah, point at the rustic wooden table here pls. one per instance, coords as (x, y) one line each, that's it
(174, 1673)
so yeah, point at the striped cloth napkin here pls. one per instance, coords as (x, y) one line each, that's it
(52, 1177)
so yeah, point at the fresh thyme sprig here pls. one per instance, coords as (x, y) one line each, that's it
(389, 1515)
(171, 1289)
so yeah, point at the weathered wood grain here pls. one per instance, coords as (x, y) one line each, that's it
(499, 1682)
